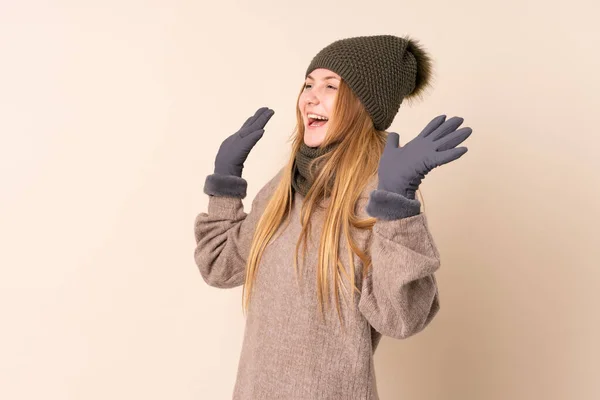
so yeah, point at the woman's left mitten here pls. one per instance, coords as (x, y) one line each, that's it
(401, 169)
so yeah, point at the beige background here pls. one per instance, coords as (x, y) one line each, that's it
(111, 113)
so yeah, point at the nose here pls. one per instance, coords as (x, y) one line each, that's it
(312, 99)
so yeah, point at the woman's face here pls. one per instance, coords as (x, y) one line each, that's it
(318, 97)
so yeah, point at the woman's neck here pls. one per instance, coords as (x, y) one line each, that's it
(301, 179)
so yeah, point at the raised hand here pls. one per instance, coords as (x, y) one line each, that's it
(401, 169)
(235, 149)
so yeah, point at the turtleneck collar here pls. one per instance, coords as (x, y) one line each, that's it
(301, 179)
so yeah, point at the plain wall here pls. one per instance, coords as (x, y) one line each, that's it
(111, 114)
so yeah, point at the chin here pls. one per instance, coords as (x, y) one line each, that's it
(314, 137)
(313, 142)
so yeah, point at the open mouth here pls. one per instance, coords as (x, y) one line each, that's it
(314, 121)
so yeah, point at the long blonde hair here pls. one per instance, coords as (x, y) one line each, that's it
(343, 174)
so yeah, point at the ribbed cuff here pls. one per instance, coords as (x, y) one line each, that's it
(225, 185)
(389, 206)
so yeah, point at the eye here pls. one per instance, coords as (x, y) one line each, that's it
(307, 85)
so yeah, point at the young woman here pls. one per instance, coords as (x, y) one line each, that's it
(347, 194)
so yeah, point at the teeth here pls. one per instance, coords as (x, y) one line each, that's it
(315, 116)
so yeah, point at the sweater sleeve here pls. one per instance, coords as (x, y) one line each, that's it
(224, 233)
(399, 295)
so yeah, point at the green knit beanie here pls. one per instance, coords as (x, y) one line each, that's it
(381, 70)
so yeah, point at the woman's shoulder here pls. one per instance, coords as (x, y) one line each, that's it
(371, 185)
(267, 190)
(365, 194)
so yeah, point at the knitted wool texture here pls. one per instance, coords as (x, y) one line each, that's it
(302, 179)
(381, 70)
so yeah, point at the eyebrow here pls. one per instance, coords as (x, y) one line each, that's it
(327, 77)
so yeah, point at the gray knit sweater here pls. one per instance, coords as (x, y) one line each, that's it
(287, 351)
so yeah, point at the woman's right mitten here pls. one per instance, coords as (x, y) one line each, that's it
(227, 179)
(235, 149)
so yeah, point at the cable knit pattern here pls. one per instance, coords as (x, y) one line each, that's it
(288, 352)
